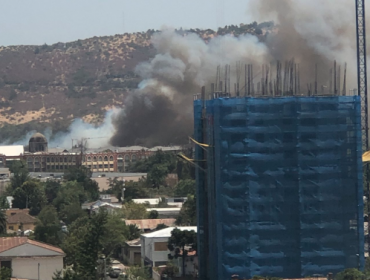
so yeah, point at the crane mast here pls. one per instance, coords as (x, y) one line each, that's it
(362, 92)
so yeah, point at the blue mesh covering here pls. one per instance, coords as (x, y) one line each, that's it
(282, 195)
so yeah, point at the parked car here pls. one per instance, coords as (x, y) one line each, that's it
(115, 272)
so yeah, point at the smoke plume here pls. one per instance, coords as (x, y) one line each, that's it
(314, 33)
(160, 111)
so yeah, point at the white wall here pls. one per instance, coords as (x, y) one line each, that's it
(147, 249)
(27, 268)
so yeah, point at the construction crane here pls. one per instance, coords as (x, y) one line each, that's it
(362, 92)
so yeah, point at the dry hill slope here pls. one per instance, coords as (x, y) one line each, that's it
(50, 85)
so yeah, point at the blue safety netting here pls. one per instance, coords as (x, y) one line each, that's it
(282, 192)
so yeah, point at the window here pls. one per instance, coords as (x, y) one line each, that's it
(111, 158)
(127, 158)
(105, 158)
(94, 158)
(133, 158)
(65, 159)
(11, 227)
(100, 158)
(69, 159)
(73, 159)
(100, 165)
(160, 246)
(52, 159)
(111, 166)
(56, 160)
(88, 158)
(47, 159)
(105, 165)
(7, 264)
(61, 159)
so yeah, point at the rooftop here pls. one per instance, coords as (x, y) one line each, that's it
(7, 243)
(20, 217)
(166, 232)
(135, 242)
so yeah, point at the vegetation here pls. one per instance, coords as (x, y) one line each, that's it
(137, 273)
(180, 243)
(134, 211)
(188, 213)
(5, 273)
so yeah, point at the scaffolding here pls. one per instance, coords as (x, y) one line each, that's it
(280, 191)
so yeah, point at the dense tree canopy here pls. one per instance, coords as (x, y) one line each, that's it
(188, 212)
(48, 228)
(29, 195)
(185, 188)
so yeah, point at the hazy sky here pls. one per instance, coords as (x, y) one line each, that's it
(25, 22)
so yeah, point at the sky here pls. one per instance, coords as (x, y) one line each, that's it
(25, 22)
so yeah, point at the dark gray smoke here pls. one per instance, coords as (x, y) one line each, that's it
(312, 32)
(160, 111)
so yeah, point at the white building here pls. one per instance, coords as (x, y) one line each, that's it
(30, 259)
(154, 251)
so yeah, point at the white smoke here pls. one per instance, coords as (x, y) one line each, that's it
(97, 135)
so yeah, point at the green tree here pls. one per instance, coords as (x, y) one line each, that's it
(20, 174)
(48, 228)
(83, 175)
(68, 201)
(178, 243)
(134, 211)
(83, 244)
(30, 195)
(188, 212)
(4, 204)
(157, 175)
(67, 275)
(2, 222)
(51, 190)
(116, 234)
(135, 190)
(137, 273)
(153, 214)
(133, 232)
(160, 226)
(350, 274)
(5, 273)
(185, 188)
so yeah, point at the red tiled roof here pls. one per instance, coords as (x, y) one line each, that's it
(20, 217)
(150, 223)
(7, 243)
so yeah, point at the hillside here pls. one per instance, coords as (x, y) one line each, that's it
(50, 85)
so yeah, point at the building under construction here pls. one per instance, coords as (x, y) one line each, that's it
(279, 182)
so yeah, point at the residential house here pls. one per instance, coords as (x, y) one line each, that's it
(154, 251)
(131, 252)
(19, 219)
(29, 259)
(146, 225)
(96, 205)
